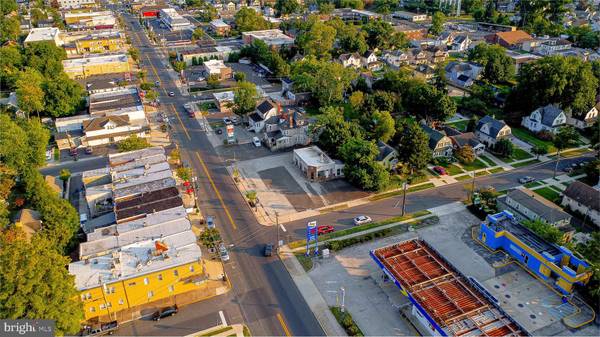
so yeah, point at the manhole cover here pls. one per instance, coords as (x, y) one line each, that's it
(532, 316)
(520, 305)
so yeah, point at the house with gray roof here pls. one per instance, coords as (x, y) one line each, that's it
(388, 156)
(463, 74)
(265, 112)
(490, 130)
(468, 139)
(525, 204)
(547, 118)
(585, 120)
(439, 143)
(584, 199)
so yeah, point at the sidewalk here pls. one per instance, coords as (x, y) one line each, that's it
(311, 294)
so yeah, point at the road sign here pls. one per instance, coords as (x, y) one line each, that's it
(311, 235)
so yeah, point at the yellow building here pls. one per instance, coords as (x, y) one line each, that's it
(96, 65)
(114, 284)
(99, 44)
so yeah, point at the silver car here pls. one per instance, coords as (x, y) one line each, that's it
(361, 220)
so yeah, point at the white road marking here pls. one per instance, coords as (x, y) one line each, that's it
(282, 228)
(223, 321)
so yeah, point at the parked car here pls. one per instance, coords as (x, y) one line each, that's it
(440, 170)
(256, 142)
(361, 220)
(219, 131)
(210, 222)
(568, 169)
(157, 84)
(235, 120)
(165, 312)
(268, 249)
(325, 229)
(171, 94)
(526, 179)
(227, 120)
(223, 252)
(88, 150)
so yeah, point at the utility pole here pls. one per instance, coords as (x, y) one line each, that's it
(277, 225)
(342, 308)
(473, 187)
(404, 185)
(557, 161)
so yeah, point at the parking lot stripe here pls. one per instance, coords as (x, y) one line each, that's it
(212, 183)
(282, 228)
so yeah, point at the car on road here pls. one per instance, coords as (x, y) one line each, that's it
(157, 84)
(223, 252)
(227, 120)
(325, 229)
(235, 120)
(256, 142)
(361, 220)
(88, 150)
(526, 180)
(568, 169)
(165, 312)
(440, 170)
(171, 94)
(268, 251)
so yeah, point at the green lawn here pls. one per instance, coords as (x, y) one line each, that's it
(520, 154)
(496, 170)
(451, 169)
(487, 160)
(459, 125)
(573, 153)
(305, 261)
(533, 184)
(481, 173)
(548, 193)
(475, 165)
(465, 177)
(527, 136)
(419, 187)
(526, 163)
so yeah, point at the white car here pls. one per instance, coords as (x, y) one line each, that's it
(361, 220)
(256, 142)
(226, 120)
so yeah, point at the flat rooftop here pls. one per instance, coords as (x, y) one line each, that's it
(450, 299)
(143, 184)
(525, 235)
(93, 60)
(42, 34)
(147, 203)
(128, 160)
(135, 260)
(115, 100)
(313, 156)
(270, 36)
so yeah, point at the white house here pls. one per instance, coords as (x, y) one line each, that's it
(462, 74)
(316, 165)
(490, 130)
(368, 58)
(548, 118)
(396, 58)
(461, 43)
(350, 60)
(265, 112)
(110, 129)
(584, 199)
(289, 131)
(585, 120)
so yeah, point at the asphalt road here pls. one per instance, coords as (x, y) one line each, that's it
(434, 197)
(263, 295)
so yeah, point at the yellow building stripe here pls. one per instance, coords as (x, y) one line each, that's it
(283, 325)
(212, 183)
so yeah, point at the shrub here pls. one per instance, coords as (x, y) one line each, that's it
(545, 135)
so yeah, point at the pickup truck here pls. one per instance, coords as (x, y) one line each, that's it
(99, 329)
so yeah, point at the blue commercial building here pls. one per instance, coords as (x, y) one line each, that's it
(548, 261)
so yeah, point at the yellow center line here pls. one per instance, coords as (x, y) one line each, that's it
(155, 72)
(283, 325)
(212, 183)
(180, 121)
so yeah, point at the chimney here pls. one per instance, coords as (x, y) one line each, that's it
(278, 108)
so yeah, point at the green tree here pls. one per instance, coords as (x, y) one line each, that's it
(135, 54)
(385, 7)
(584, 37)
(64, 175)
(437, 23)
(62, 96)
(8, 6)
(545, 230)
(11, 62)
(566, 81)
(379, 125)
(30, 95)
(326, 7)
(497, 66)
(45, 57)
(179, 66)
(504, 148)
(327, 81)
(380, 34)
(286, 7)
(239, 76)
(213, 81)
(332, 130)
(318, 41)
(424, 101)
(184, 173)
(198, 34)
(465, 154)
(539, 150)
(208, 13)
(132, 143)
(35, 283)
(360, 167)
(210, 237)
(10, 28)
(356, 100)
(247, 19)
(245, 98)
(413, 146)
(151, 95)
(565, 138)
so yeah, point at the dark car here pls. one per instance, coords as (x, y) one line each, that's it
(440, 170)
(268, 249)
(165, 312)
(219, 131)
(171, 94)
(88, 150)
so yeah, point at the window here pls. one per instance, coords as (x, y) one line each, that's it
(121, 301)
(110, 290)
(171, 288)
(160, 277)
(92, 309)
(88, 296)
(131, 284)
(150, 294)
(192, 269)
(108, 305)
(175, 272)
(146, 281)
(102, 306)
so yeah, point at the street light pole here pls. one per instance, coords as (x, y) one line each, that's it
(277, 225)
(557, 161)
(473, 187)
(404, 185)
(342, 308)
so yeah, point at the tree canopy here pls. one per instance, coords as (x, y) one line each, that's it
(286, 7)
(497, 66)
(245, 98)
(247, 19)
(327, 81)
(132, 143)
(318, 40)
